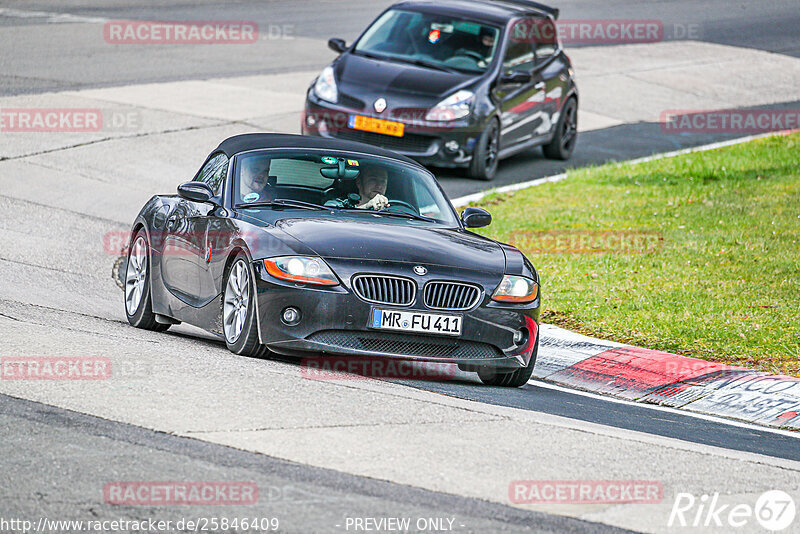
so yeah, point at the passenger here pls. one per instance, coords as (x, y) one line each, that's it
(255, 174)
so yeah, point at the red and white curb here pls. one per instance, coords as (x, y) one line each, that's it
(655, 377)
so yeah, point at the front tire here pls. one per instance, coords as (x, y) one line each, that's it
(238, 310)
(138, 297)
(485, 157)
(566, 136)
(514, 379)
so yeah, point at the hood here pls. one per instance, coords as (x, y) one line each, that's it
(401, 84)
(396, 242)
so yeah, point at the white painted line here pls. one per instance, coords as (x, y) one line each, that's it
(463, 201)
(703, 148)
(657, 407)
(50, 17)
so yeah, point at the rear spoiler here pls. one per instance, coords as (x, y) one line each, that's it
(552, 11)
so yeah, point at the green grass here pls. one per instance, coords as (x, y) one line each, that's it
(721, 277)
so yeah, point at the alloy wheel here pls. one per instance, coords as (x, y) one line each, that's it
(237, 300)
(136, 276)
(570, 127)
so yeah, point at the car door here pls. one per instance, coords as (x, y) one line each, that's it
(551, 69)
(186, 242)
(520, 103)
(216, 231)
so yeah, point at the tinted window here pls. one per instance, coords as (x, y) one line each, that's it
(337, 180)
(214, 172)
(519, 56)
(546, 41)
(519, 52)
(440, 40)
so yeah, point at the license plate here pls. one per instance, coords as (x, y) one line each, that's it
(411, 321)
(371, 124)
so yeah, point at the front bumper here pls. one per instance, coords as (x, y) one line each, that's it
(427, 142)
(335, 322)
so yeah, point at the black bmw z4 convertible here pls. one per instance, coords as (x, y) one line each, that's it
(451, 83)
(304, 246)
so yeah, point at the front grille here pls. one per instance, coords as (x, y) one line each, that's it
(414, 143)
(450, 295)
(385, 289)
(350, 102)
(406, 345)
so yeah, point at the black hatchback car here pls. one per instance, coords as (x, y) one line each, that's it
(451, 83)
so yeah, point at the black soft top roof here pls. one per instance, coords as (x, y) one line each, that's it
(255, 141)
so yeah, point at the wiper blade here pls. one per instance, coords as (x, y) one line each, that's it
(389, 213)
(283, 203)
(369, 54)
(405, 214)
(422, 63)
(412, 61)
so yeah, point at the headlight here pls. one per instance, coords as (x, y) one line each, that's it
(301, 269)
(455, 106)
(325, 88)
(516, 289)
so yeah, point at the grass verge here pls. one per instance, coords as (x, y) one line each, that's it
(697, 254)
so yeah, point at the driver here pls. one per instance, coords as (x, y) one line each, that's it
(255, 174)
(486, 43)
(371, 183)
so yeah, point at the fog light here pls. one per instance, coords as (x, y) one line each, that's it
(452, 146)
(290, 316)
(310, 120)
(518, 336)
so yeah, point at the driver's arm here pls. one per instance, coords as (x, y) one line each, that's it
(378, 202)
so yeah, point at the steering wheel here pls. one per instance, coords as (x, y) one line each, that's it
(471, 54)
(401, 204)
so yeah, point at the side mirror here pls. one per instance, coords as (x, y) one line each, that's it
(337, 45)
(196, 191)
(516, 77)
(476, 218)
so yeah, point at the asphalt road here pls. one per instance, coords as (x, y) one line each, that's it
(35, 60)
(69, 457)
(55, 298)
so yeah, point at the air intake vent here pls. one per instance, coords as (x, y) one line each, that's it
(385, 289)
(451, 296)
(405, 345)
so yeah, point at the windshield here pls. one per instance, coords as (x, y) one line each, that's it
(308, 179)
(437, 40)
